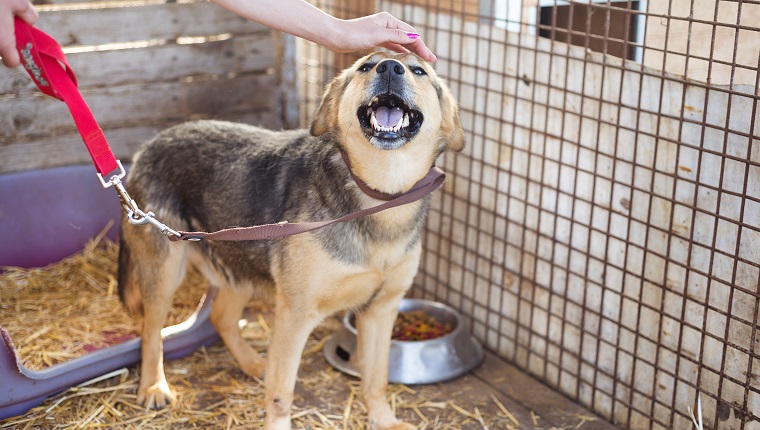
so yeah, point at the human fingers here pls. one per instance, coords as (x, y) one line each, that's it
(8, 40)
(409, 42)
(26, 11)
(8, 9)
(398, 32)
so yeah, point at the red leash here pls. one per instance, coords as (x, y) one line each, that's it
(45, 62)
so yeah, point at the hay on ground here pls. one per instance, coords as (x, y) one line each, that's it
(64, 310)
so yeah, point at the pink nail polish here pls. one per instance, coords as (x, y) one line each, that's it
(413, 36)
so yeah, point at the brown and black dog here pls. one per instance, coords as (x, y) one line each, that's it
(392, 116)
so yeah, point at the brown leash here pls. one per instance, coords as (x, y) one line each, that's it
(366, 189)
(431, 182)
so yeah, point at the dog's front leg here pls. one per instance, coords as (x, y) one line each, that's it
(374, 330)
(292, 327)
(375, 326)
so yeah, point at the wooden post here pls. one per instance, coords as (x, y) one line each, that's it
(287, 107)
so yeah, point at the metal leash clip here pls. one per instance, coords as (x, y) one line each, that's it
(135, 215)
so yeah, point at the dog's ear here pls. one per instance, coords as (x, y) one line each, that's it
(326, 117)
(451, 127)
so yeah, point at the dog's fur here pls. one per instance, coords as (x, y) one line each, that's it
(210, 175)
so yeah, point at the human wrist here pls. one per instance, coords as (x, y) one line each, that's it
(331, 33)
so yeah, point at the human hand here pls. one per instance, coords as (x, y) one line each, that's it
(380, 29)
(8, 9)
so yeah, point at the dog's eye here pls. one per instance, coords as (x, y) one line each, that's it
(366, 67)
(419, 71)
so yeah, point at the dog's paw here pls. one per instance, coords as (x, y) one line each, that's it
(155, 396)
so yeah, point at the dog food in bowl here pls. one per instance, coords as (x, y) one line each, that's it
(418, 325)
(446, 351)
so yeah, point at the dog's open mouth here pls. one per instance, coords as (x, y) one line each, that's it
(388, 121)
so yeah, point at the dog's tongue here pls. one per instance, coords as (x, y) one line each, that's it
(388, 117)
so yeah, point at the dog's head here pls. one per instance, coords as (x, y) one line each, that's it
(391, 101)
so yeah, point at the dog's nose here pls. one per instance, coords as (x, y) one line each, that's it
(390, 66)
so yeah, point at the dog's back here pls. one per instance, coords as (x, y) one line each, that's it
(200, 164)
(190, 174)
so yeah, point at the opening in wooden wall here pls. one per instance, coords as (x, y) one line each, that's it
(606, 28)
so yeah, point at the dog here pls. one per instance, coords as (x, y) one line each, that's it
(388, 117)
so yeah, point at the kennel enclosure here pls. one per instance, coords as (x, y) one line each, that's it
(601, 227)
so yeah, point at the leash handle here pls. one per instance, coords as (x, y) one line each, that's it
(45, 62)
(48, 67)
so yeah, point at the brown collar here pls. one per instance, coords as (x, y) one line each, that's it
(366, 189)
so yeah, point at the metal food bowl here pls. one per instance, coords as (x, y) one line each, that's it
(418, 361)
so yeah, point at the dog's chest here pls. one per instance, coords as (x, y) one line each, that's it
(389, 267)
(386, 255)
(363, 244)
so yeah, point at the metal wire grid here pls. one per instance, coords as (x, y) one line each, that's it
(624, 271)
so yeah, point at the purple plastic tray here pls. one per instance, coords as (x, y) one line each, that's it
(46, 215)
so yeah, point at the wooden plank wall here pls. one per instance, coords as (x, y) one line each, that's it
(142, 66)
(600, 230)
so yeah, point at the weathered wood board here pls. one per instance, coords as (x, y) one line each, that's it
(93, 24)
(159, 62)
(143, 66)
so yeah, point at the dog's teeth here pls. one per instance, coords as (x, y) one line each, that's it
(402, 122)
(376, 126)
(399, 124)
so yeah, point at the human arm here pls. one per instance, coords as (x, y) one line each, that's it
(8, 9)
(299, 18)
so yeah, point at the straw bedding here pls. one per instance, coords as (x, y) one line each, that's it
(72, 307)
(69, 308)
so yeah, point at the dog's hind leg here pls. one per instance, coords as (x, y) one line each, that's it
(161, 272)
(226, 312)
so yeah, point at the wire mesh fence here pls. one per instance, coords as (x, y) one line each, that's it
(602, 228)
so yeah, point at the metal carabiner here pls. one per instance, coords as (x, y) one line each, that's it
(139, 218)
(135, 215)
(115, 179)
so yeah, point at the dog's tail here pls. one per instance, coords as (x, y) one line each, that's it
(129, 289)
